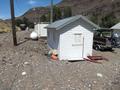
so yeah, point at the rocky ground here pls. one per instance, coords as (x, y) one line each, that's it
(26, 67)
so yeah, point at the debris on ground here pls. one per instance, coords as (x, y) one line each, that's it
(53, 54)
(95, 59)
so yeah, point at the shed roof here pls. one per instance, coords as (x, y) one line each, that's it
(117, 26)
(61, 23)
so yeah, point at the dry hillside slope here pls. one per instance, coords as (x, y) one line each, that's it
(84, 7)
(4, 26)
(88, 7)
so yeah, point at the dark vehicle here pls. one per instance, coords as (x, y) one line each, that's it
(116, 39)
(102, 39)
(23, 27)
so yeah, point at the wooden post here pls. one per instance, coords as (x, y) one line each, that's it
(13, 22)
(51, 14)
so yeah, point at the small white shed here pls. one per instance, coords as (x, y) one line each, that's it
(116, 26)
(72, 37)
(41, 30)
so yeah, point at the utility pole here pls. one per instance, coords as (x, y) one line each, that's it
(13, 22)
(51, 14)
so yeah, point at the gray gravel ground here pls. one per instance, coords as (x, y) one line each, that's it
(25, 67)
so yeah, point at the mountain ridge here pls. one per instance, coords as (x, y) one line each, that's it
(83, 7)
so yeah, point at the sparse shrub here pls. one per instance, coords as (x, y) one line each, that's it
(106, 21)
(24, 21)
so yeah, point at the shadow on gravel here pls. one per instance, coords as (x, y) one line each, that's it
(19, 43)
(0, 45)
(76, 61)
(108, 50)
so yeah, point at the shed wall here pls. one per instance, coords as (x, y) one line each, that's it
(41, 30)
(53, 38)
(67, 41)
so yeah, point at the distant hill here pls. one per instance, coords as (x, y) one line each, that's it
(89, 7)
(35, 13)
(85, 7)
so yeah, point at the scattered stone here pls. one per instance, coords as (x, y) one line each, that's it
(94, 82)
(68, 80)
(99, 75)
(4, 62)
(89, 85)
(116, 69)
(69, 86)
(26, 63)
(24, 73)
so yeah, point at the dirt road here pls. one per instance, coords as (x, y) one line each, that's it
(25, 67)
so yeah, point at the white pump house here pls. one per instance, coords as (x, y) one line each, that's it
(71, 37)
(41, 30)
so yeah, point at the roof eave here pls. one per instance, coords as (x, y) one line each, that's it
(50, 28)
(91, 23)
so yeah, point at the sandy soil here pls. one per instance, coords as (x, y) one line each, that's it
(25, 67)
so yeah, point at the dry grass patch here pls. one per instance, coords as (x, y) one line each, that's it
(4, 27)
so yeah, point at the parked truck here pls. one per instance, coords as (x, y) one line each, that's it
(116, 39)
(103, 39)
(23, 27)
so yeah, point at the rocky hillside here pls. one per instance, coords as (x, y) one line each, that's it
(88, 7)
(84, 7)
(35, 13)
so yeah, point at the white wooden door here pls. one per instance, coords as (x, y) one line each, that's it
(73, 47)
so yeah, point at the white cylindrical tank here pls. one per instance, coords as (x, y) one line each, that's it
(34, 35)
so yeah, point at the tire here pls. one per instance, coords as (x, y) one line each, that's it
(96, 47)
(114, 43)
